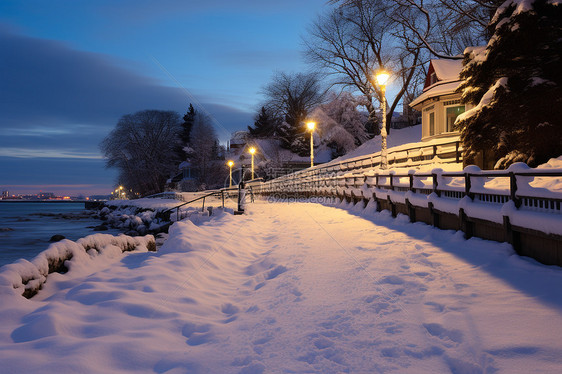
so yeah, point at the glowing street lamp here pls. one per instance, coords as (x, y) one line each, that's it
(311, 125)
(382, 78)
(252, 152)
(230, 165)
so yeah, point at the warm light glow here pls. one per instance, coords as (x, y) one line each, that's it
(311, 125)
(252, 150)
(382, 77)
(230, 163)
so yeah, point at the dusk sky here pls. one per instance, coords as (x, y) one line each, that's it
(70, 69)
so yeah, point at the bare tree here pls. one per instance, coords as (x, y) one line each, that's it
(443, 27)
(358, 38)
(142, 147)
(291, 97)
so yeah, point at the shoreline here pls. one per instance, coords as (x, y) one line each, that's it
(26, 241)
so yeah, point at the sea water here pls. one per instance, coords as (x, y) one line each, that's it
(27, 227)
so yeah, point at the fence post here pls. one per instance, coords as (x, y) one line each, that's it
(512, 236)
(467, 185)
(391, 176)
(457, 152)
(434, 215)
(435, 184)
(466, 226)
(513, 190)
(411, 182)
(203, 207)
(241, 197)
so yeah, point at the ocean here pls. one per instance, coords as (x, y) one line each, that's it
(26, 227)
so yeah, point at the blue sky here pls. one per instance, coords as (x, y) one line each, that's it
(69, 69)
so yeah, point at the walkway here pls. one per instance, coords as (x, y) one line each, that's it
(297, 288)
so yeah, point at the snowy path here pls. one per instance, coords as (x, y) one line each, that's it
(296, 288)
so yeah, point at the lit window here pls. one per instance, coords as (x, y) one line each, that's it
(451, 115)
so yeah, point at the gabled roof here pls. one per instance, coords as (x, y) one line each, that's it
(446, 70)
(446, 80)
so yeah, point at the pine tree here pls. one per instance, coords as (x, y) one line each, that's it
(187, 124)
(265, 124)
(185, 133)
(516, 85)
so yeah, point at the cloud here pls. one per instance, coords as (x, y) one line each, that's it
(45, 81)
(51, 91)
(57, 104)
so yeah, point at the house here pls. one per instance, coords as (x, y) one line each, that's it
(439, 104)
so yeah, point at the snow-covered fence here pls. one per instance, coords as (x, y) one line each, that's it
(439, 150)
(510, 205)
(27, 277)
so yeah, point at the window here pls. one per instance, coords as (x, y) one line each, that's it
(451, 114)
(432, 78)
(432, 123)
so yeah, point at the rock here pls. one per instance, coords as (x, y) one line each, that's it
(5, 229)
(57, 238)
(100, 228)
(132, 233)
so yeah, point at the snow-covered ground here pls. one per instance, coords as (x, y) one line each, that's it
(397, 137)
(294, 288)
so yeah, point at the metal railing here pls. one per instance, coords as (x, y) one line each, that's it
(217, 193)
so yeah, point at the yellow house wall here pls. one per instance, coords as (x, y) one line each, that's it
(436, 105)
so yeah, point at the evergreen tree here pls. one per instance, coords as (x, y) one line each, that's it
(516, 85)
(187, 124)
(185, 133)
(265, 124)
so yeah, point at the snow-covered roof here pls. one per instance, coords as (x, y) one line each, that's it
(446, 80)
(447, 70)
(438, 89)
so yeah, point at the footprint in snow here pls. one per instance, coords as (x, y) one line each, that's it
(230, 310)
(436, 306)
(392, 279)
(444, 334)
(275, 272)
(197, 334)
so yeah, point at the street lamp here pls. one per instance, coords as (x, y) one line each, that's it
(230, 165)
(252, 152)
(382, 79)
(311, 125)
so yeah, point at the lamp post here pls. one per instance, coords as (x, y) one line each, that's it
(382, 78)
(230, 165)
(252, 152)
(311, 125)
